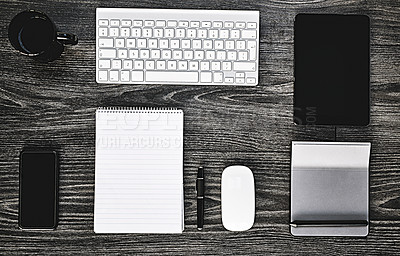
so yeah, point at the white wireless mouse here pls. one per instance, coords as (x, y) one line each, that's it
(237, 198)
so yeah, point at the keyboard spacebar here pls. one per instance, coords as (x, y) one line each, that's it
(166, 76)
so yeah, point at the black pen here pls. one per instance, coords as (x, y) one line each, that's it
(200, 198)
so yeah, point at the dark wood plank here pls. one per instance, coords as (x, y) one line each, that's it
(53, 105)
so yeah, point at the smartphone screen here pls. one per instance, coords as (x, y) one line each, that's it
(38, 195)
(331, 70)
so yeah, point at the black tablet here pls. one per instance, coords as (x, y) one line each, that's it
(332, 80)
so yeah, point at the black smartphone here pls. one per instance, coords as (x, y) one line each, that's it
(332, 76)
(38, 189)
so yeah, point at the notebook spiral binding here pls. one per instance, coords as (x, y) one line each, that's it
(158, 110)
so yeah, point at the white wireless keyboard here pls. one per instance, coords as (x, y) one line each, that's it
(166, 46)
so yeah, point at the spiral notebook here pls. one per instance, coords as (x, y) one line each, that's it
(139, 171)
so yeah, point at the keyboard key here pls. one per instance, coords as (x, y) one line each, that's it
(206, 24)
(106, 42)
(161, 64)
(138, 23)
(149, 23)
(193, 65)
(207, 44)
(239, 74)
(128, 64)
(249, 34)
(103, 31)
(194, 24)
(228, 24)
(150, 64)
(160, 23)
(227, 66)
(235, 33)
(241, 45)
(171, 76)
(188, 55)
(166, 54)
(183, 24)
(191, 33)
(116, 64)
(252, 25)
(229, 80)
(131, 42)
(244, 66)
(125, 75)
(231, 55)
(114, 23)
(202, 33)
(169, 32)
(107, 53)
(204, 65)
(172, 23)
(240, 80)
(216, 65)
(219, 44)
(175, 44)
(114, 75)
(213, 33)
(119, 42)
(185, 44)
(182, 65)
(221, 55)
(153, 43)
(133, 54)
(240, 25)
(137, 76)
(198, 55)
(218, 77)
(126, 23)
(205, 77)
(252, 46)
(224, 33)
(138, 64)
(103, 75)
(210, 55)
(171, 65)
(125, 32)
(164, 43)
(155, 54)
(104, 64)
(177, 54)
(217, 24)
(114, 31)
(122, 53)
(230, 45)
(242, 56)
(136, 32)
(196, 44)
(141, 43)
(144, 54)
(180, 33)
(251, 80)
(147, 32)
(103, 22)
(158, 32)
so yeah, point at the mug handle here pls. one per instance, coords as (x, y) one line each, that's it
(66, 38)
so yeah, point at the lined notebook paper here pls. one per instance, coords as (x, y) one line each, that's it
(139, 171)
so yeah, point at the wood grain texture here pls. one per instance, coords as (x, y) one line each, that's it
(53, 105)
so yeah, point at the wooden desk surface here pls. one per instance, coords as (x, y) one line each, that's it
(54, 104)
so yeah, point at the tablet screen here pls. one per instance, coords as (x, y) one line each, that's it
(331, 70)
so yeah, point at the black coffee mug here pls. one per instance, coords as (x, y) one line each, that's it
(33, 34)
